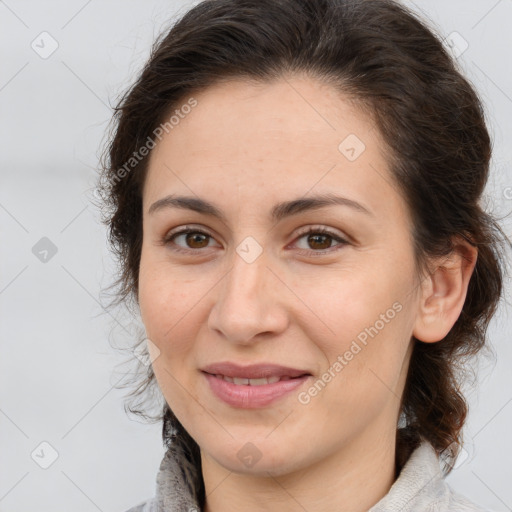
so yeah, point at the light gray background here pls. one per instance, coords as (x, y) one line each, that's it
(57, 367)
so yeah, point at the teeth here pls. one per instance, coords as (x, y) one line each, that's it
(251, 382)
(228, 379)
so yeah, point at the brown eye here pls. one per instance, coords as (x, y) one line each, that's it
(196, 240)
(188, 240)
(318, 241)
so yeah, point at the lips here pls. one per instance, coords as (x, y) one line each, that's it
(253, 375)
(254, 386)
(240, 381)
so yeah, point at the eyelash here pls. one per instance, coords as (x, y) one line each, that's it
(315, 230)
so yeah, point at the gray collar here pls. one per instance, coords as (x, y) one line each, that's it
(419, 487)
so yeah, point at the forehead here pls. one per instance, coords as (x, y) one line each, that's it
(272, 140)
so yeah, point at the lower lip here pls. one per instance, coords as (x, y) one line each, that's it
(251, 397)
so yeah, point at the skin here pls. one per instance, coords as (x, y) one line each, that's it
(246, 147)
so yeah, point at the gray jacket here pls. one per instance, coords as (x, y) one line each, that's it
(420, 487)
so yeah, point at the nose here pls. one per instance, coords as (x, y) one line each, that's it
(250, 302)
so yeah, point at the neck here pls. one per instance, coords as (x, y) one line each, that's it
(352, 479)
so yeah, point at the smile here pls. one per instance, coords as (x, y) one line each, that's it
(245, 393)
(252, 382)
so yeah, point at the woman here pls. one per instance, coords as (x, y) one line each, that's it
(293, 192)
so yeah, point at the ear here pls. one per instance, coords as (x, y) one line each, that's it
(443, 292)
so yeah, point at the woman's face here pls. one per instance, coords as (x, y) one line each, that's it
(249, 285)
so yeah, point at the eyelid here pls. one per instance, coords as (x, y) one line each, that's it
(190, 227)
(342, 239)
(319, 228)
(183, 230)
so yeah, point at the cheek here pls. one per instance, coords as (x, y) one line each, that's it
(168, 316)
(365, 328)
(346, 302)
(165, 308)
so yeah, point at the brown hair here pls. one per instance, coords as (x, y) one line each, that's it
(384, 57)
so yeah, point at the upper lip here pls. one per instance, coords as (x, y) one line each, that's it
(253, 371)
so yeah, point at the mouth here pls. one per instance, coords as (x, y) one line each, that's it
(254, 386)
(254, 374)
(240, 381)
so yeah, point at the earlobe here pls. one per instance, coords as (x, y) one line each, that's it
(443, 292)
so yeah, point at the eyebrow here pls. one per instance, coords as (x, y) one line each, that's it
(278, 212)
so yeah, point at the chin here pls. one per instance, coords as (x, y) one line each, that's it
(255, 458)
